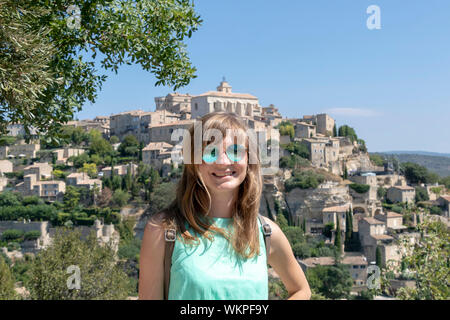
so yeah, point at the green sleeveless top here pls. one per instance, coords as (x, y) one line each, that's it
(214, 271)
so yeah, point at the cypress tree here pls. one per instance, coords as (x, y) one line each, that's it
(337, 239)
(378, 257)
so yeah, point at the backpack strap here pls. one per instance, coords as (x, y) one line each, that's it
(169, 236)
(267, 231)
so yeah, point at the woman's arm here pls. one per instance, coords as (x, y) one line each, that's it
(283, 261)
(151, 266)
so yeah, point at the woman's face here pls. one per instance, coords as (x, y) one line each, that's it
(224, 175)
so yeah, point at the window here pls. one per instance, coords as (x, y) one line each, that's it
(362, 266)
(196, 106)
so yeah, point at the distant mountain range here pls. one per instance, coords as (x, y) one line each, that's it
(433, 161)
(423, 153)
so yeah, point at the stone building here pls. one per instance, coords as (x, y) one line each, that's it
(6, 166)
(158, 155)
(163, 132)
(63, 154)
(120, 170)
(270, 115)
(175, 103)
(138, 123)
(42, 170)
(224, 99)
(51, 190)
(26, 226)
(401, 194)
(100, 123)
(20, 151)
(81, 179)
(356, 262)
(304, 130)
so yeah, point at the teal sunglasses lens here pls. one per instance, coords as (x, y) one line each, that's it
(236, 152)
(210, 154)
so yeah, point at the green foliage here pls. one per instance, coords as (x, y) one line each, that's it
(282, 221)
(7, 291)
(297, 148)
(397, 209)
(381, 193)
(304, 179)
(12, 234)
(428, 262)
(9, 198)
(333, 282)
(162, 196)
(129, 146)
(377, 159)
(72, 197)
(421, 194)
(277, 290)
(120, 197)
(445, 181)
(326, 231)
(360, 188)
(287, 129)
(337, 238)
(294, 162)
(7, 141)
(52, 72)
(100, 277)
(416, 174)
(436, 210)
(32, 235)
(378, 260)
(346, 131)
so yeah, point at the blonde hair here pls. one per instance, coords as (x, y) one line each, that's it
(193, 200)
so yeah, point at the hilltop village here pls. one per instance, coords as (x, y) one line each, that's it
(112, 168)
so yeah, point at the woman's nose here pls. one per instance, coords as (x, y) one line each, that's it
(223, 158)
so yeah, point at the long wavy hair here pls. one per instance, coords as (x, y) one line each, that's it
(193, 201)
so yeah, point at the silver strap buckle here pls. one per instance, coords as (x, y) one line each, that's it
(267, 230)
(170, 235)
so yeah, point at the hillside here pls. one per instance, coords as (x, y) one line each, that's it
(437, 164)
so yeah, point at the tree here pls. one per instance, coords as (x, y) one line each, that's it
(346, 131)
(337, 239)
(129, 146)
(7, 291)
(378, 259)
(421, 194)
(120, 197)
(162, 196)
(48, 64)
(428, 261)
(100, 276)
(282, 221)
(90, 169)
(335, 134)
(72, 197)
(334, 282)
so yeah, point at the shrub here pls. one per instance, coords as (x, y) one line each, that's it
(360, 188)
(308, 179)
(12, 234)
(436, 210)
(397, 209)
(32, 235)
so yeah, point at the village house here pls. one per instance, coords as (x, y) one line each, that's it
(270, 115)
(304, 130)
(42, 170)
(444, 202)
(163, 132)
(401, 194)
(99, 123)
(6, 166)
(63, 154)
(119, 170)
(50, 190)
(175, 103)
(20, 151)
(138, 123)
(81, 179)
(393, 221)
(356, 262)
(159, 156)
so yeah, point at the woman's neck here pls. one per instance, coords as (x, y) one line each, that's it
(222, 206)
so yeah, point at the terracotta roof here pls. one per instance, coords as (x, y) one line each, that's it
(381, 237)
(173, 123)
(228, 95)
(342, 208)
(447, 198)
(405, 188)
(157, 146)
(391, 214)
(372, 220)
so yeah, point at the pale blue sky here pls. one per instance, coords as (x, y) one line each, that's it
(307, 57)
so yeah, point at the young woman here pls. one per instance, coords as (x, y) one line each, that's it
(219, 251)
